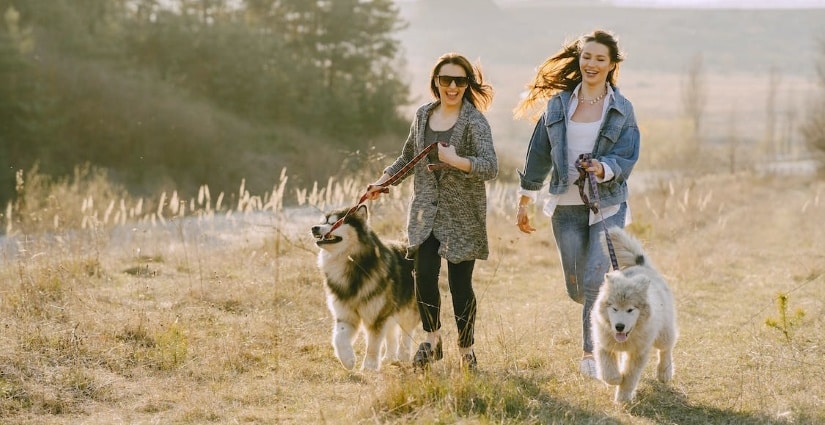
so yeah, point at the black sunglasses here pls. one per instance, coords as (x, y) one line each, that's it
(446, 80)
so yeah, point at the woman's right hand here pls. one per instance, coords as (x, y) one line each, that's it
(523, 221)
(374, 191)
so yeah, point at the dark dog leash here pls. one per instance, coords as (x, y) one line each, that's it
(594, 206)
(394, 178)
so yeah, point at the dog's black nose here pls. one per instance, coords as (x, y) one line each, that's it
(620, 327)
(316, 230)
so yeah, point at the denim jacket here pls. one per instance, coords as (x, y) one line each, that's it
(617, 147)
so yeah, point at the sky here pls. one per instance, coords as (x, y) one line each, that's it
(745, 4)
(736, 4)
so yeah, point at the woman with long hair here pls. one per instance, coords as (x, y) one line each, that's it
(582, 112)
(448, 210)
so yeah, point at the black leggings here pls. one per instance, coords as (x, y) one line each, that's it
(460, 276)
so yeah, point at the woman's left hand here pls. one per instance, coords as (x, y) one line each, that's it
(447, 153)
(593, 166)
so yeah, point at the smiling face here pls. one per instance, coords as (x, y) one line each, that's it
(450, 95)
(595, 63)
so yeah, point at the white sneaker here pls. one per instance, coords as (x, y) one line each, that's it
(588, 367)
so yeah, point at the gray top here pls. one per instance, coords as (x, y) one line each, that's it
(431, 136)
(453, 207)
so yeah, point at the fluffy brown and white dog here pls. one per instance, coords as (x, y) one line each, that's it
(369, 285)
(634, 313)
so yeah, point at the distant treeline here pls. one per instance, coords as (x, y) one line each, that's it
(189, 92)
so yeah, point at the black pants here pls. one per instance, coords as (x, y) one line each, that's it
(460, 276)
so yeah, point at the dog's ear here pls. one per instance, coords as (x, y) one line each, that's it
(642, 282)
(362, 212)
(611, 277)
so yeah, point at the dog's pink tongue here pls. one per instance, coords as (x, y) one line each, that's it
(621, 336)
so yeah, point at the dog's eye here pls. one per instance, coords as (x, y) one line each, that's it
(630, 310)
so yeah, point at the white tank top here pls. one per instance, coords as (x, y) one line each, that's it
(581, 138)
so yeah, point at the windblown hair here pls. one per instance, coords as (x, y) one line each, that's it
(478, 93)
(561, 72)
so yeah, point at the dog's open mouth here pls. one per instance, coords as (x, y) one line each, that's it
(621, 336)
(327, 239)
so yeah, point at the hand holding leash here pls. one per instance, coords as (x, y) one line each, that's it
(446, 152)
(442, 156)
(380, 186)
(587, 175)
(375, 190)
(590, 165)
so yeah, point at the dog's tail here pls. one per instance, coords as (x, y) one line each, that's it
(628, 249)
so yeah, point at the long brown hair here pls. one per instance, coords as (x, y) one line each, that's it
(478, 93)
(561, 72)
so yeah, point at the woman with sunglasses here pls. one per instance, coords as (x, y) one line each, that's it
(448, 209)
(583, 113)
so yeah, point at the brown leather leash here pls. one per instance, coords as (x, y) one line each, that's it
(594, 206)
(394, 178)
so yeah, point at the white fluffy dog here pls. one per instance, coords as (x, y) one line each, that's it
(634, 313)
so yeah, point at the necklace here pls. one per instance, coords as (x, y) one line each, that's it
(593, 101)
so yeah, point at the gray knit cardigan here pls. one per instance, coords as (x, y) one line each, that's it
(453, 207)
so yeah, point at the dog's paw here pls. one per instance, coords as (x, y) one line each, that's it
(664, 373)
(347, 361)
(624, 395)
(610, 375)
(343, 349)
(370, 365)
(348, 364)
(612, 379)
(404, 356)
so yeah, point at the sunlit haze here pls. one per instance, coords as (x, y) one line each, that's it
(737, 4)
(704, 4)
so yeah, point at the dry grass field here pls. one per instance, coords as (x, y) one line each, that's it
(209, 311)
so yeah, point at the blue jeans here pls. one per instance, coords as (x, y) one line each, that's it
(583, 257)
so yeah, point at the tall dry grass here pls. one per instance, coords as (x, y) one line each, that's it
(191, 311)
